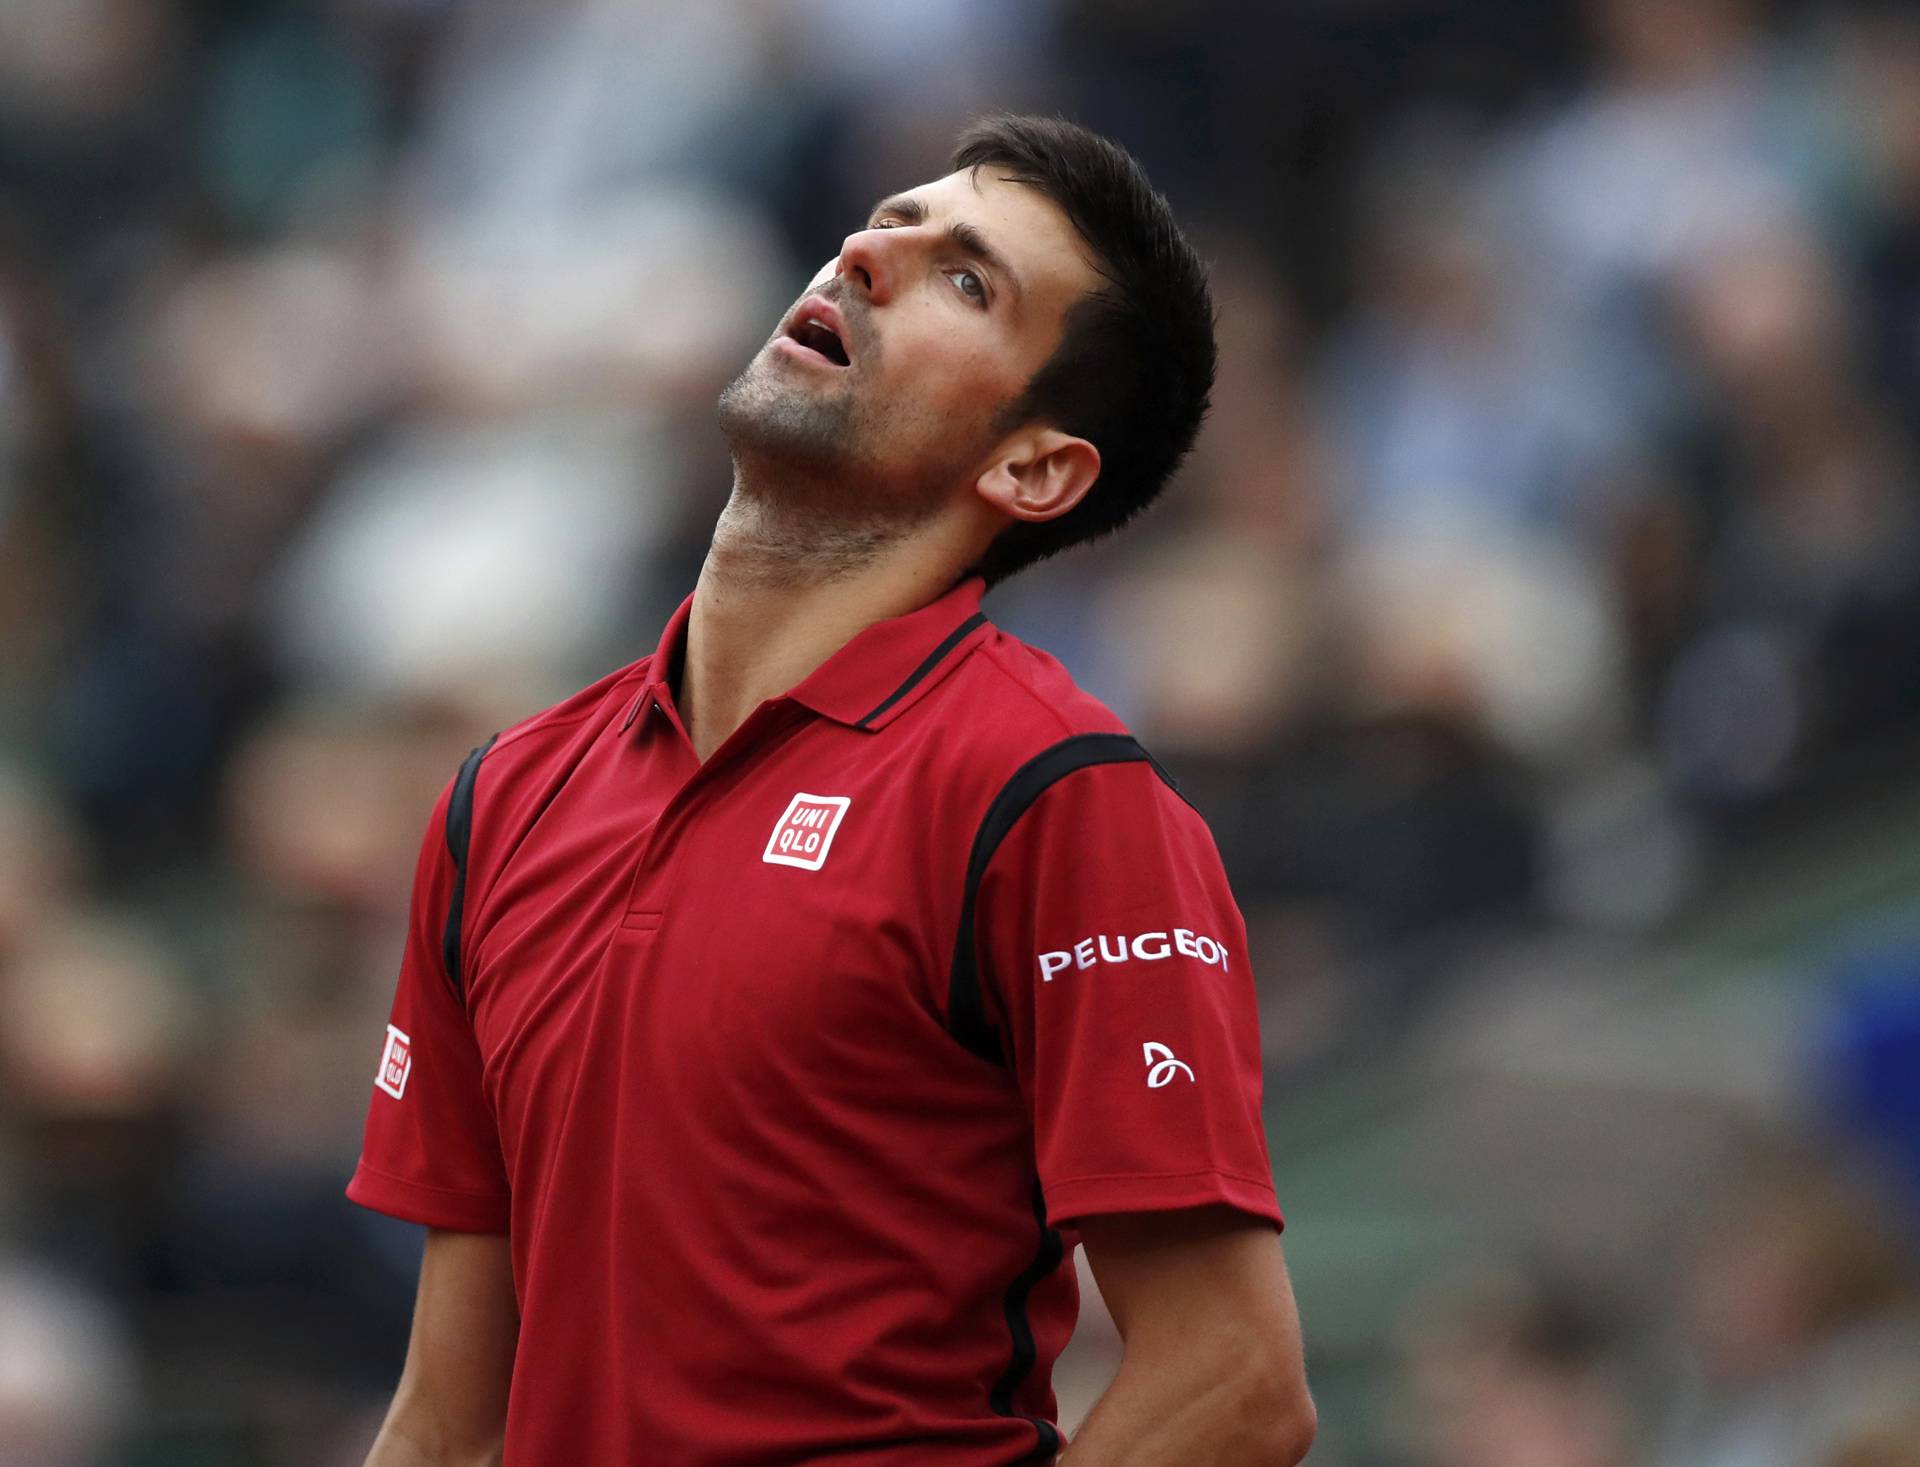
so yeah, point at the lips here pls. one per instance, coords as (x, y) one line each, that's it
(817, 327)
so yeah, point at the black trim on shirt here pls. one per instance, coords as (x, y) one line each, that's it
(967, 1020)
(459, 838)
(918, 675)
(1025, 1352)
(966, 1008)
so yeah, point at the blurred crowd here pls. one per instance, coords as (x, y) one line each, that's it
(1555, 535)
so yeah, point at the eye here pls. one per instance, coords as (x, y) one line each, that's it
(884, 224)
(970, 285)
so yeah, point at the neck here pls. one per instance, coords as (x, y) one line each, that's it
(781, 592)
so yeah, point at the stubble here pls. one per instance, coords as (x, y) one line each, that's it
(816, 495)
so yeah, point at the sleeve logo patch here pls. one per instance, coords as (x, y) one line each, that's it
(1146, 947)
(802, 836)
(396, 1063)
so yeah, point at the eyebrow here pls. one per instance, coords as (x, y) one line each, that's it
(965, 236)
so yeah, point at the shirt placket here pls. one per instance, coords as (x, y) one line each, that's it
(658, 870)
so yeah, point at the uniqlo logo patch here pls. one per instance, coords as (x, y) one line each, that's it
(802, 836)
(396, 1063)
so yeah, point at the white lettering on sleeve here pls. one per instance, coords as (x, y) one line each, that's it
(1161, 950)
(1145, 947)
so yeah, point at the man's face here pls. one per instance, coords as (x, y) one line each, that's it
(885, 382)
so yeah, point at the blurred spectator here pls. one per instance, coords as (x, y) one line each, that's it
(1889, 1439)
(1810, 595)
(1236, 562)
(1799, 1314)
(95, 1034)
(1880, 68)
(1501, 1371)
(1694, 112)
(42, 858)
(67, 1370)
(1867, 1063)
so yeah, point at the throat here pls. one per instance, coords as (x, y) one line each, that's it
(783, 539)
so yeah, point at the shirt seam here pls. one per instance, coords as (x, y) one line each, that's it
(538, 722)
(1209, 1171)
(387, 1176)
(1013, 677)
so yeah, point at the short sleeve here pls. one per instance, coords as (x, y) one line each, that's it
(431, 1153)
(1116, 958)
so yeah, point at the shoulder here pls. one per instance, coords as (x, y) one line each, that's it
(536, 749)
(1023, 698)
(594, 703)
(1024, 725)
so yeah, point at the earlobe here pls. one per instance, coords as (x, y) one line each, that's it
(1041, 477)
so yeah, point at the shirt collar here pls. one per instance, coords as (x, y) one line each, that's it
(878, 674)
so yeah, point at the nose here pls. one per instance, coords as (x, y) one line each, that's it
(867, 262)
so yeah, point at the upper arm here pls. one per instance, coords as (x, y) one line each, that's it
(452, 1400)
(1114, 964)
(1204, 1287)
(431, 1152)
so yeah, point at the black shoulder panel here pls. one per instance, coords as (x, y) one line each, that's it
(459, 838)
(966, 1010)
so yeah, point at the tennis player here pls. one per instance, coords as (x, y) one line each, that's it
(778, 1013)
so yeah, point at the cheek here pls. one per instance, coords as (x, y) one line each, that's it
(823, 274)
(951, 370)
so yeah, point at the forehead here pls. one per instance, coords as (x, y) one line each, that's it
(1022, 224)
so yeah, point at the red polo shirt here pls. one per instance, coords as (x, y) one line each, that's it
(788, 1074)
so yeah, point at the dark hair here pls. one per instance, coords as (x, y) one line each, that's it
(1132, 371)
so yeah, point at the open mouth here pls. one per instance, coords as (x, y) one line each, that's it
(817, 336)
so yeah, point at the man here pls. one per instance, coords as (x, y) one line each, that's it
(777, 1012)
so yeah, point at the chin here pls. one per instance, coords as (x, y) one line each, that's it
(767, 414)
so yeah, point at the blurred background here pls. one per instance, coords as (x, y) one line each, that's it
(1538, 623)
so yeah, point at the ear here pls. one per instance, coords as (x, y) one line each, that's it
(1039, 474)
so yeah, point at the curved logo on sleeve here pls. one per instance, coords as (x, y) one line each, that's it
(1161, 1065)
